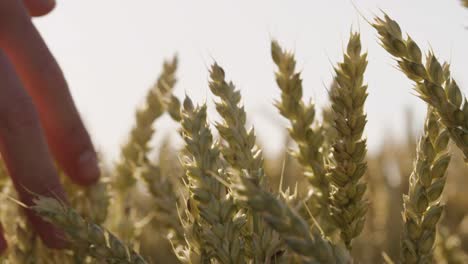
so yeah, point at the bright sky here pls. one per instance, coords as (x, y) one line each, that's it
(111, 52)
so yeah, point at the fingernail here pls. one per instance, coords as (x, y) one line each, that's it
(47, 5)
(49, 2)
(88, 167)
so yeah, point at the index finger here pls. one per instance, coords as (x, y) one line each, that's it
(24, 149)
(43, 79)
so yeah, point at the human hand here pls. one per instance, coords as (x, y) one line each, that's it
(38, 119)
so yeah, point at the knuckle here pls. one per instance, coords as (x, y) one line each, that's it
(18, 114)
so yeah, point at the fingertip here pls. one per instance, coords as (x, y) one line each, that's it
(72, 147)
(40, 7)
(88, 168)
(74, 151)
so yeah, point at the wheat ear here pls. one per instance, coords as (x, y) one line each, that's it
(294, 230)
(135, 150)
(214, 207)
(241, 152)
(432, 83)
(85, 235)
(348, 165)
(165, 198)
(422, 208)
(301, 116)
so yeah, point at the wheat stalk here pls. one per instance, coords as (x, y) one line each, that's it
(85, 235)
(348, 165)
(422, 208)
(432, 83)
(301, 116)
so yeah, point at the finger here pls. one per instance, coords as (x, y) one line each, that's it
(3, 243)
(39, 7)
(69, 141)
(24, 150)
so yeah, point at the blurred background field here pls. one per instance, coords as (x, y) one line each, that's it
(111, 62)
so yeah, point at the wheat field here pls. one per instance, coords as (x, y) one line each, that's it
(324, 199)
